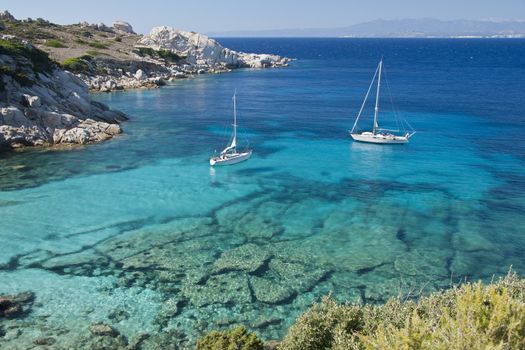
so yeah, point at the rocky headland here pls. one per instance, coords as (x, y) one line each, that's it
(114, 57)
(47, 71)
(43, 105)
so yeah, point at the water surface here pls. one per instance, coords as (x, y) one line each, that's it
(142, 227)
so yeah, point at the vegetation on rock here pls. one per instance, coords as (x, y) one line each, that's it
(234, 339)
(77, 64)
(471, 316)
(98, 45)
(38, 58)
(162, 53)
(55, 43)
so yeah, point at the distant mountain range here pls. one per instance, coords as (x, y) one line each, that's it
(403, 28)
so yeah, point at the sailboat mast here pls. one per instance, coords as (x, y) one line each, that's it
(376, 110)
(234, 120)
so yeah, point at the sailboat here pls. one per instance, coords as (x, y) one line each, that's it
(229, 155)
(377, 134)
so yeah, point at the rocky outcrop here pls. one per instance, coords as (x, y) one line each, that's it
(42, 105)
(123, 27)
(200, 50)
(5, 15)
(166, 54)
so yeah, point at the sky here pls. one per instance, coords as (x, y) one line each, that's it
(228, 15)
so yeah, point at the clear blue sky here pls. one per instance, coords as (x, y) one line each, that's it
(210, 15)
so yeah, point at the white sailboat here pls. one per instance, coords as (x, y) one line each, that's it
(377, 134)
(229, 155)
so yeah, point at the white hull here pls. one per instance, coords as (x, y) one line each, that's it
(380, 138)
(229, 159)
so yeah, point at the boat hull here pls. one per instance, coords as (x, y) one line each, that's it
(230, 159)
(380, 138)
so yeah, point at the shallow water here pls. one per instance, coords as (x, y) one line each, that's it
(141, 226)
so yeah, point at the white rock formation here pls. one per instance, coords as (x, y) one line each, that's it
(202, 51)
(53, 107)
(124, 27)
(140, 75)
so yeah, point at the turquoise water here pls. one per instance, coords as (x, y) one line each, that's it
(141, 226)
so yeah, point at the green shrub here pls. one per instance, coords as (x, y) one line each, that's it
(98, 45)
(93, 53)
(80, 41)
(86, 57)
(162, 53)
(234, 339)
(39, 59)
(167, 54)
(55, 43)
(471, 316)
(44, 23)
(76, 64)
(144, 51)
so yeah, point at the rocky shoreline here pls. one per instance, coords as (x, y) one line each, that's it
(167, 54)
(43, 105)
(48, 70)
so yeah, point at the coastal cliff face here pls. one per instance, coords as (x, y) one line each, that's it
(43, 105)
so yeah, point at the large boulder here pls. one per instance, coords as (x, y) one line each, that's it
(124, 27)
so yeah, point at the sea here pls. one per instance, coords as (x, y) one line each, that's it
(140, 233)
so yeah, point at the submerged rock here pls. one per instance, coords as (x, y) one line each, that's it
(118, 315)
(425, 262)
(248, 257)
(102, 329)
(270, 292)
(298, 277)
(46, 341)
(11, 306)
(85, 258)
(228, 288)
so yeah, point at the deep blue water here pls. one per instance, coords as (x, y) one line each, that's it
(312, 212)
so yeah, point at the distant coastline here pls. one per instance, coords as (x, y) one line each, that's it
(402, 28)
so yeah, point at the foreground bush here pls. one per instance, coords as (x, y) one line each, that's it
(472, 316)
(234, 339)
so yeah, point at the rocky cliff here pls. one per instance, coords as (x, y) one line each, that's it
(42, 105)
(46, 71)
(200, 50)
